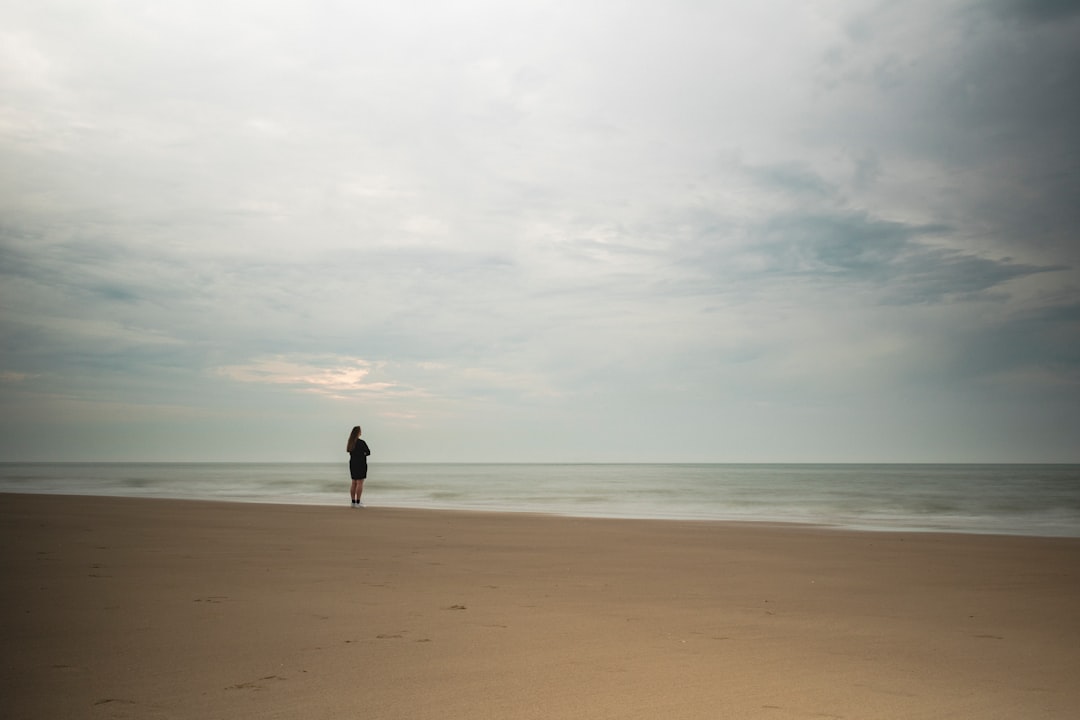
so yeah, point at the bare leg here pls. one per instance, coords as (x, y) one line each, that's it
(357, 488)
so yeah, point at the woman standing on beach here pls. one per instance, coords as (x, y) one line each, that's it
(358, 451)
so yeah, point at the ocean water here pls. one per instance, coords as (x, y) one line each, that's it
(1040, 500)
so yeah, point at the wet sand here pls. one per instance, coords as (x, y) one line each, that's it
(128, 608)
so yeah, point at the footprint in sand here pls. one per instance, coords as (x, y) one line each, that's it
(106, 701)
(254, 684)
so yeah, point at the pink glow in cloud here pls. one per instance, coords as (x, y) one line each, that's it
(332, 376)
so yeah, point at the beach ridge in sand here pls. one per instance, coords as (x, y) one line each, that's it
(136, 608)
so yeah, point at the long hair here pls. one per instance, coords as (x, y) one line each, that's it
(352, 439)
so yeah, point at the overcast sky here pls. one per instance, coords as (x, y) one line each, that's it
(592, 230)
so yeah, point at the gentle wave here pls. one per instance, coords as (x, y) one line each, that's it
(1039, 500)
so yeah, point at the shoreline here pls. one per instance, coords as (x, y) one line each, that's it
(149, 608)
(1034, 501)
(780, 523)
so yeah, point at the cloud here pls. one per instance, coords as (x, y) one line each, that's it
(895, 257)
(1035, 348)
(975, 127)
(535, 215)
(1038, 10)
(793, 178)
(331, 376)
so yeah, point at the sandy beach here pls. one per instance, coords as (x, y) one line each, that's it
(127, 608)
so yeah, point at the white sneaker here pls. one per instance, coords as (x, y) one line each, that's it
(360, 505)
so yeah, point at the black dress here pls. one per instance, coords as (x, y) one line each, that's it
(358, 460)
